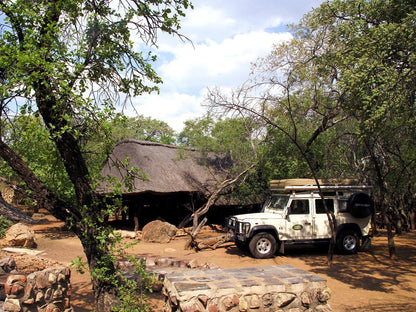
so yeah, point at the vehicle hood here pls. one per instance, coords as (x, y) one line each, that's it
(258, 216)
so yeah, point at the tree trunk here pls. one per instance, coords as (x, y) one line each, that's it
(41, 193)
(104, 287)
(390, 235)
(412, 216)
(105, 294)
(54, 113)
(197, 225)
(12, 213)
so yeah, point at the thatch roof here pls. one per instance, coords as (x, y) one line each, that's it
(168, 168)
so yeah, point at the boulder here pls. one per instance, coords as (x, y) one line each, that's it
(7, 265)
(20, 235)
(159, 232)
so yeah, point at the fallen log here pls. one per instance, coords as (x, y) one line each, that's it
(208, 243)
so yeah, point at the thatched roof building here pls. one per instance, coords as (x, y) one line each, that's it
(176, 181)
(167, 168)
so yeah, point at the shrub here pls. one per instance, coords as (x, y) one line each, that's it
(4, 225)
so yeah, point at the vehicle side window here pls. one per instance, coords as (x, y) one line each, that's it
(343, 205)
(299, 206)
(319, 205)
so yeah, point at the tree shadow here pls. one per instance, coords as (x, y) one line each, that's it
(368, 270)
(54, 232)
(82, 298)
(371, 270)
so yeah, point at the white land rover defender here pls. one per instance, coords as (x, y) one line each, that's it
(295, 213)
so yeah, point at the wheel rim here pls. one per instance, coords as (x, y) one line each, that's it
(350, 242)
(264, 246)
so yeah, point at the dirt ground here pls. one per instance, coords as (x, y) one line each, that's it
(367, 281)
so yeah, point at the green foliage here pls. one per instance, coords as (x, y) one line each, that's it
(235, 138)
(337, 100)
(70, 62)
(372, 59)
(4, 225)
(27, 135)
(232, 137)
(132, 293)
(197, 133)
(141, 128)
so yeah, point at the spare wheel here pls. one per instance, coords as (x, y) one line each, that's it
(360, 205)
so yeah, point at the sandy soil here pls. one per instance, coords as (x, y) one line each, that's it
(367, 281)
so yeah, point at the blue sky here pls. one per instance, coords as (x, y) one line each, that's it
(227, 36)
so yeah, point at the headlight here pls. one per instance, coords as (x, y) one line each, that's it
(246, 228)
(231, 222)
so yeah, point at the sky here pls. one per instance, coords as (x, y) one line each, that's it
(227, 37)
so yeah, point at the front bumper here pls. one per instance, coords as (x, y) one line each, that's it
(237, 230)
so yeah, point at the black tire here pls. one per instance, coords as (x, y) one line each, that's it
(348, 242)
(262, 245)
(360, 205)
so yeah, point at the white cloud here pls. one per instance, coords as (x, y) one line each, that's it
(210, 63)
(227, 37)
(208, 22)
(171, 107)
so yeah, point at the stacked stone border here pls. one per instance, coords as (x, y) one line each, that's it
(48, 290)
(186, 287)
(259, 289)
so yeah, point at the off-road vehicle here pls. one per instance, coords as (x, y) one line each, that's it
(295, 213)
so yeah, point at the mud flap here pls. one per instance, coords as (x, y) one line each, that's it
(366, 244)
(282, 247)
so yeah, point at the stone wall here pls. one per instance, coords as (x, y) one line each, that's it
(43, 291)
(262, 289)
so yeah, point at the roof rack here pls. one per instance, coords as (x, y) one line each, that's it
(310, 185)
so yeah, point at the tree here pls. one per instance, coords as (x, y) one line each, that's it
(374, 64)
(238, 140)
(68, 61)
(348, 60)
(235, 140)
(290, 96)
(142, 128)
(28, 137)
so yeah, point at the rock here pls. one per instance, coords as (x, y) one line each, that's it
(12, 305)
(159, 232)
(20, 235)
(324, 295)
(323, 308)
(126, 234)
(7, 265)
(23, 251)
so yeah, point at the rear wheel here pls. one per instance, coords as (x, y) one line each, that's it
(348, 242)
(262, 245)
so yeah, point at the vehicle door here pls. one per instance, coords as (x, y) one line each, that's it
(299, 223)
(321, 226)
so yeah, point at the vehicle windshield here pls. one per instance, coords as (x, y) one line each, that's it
(276, 203)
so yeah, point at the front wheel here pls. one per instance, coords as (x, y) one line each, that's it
(262, 245)
(348, 242)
